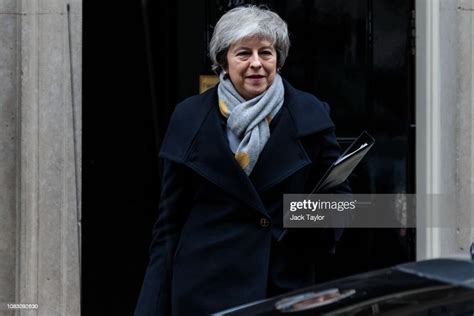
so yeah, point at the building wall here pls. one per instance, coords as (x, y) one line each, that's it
(40, 115)
(445, 124)
(9, 100)
(464, 35)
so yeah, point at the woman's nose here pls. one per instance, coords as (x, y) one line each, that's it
(255, 62)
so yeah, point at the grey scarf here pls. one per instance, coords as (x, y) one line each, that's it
(248, 121)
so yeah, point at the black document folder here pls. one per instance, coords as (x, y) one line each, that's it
(345, 164)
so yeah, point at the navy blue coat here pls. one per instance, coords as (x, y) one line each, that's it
(219, 240)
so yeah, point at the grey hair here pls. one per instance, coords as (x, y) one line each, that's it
(247, 22)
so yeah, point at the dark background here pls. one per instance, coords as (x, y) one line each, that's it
(120, 175)
(141, 58)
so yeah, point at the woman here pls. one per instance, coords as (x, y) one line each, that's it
(229, 155)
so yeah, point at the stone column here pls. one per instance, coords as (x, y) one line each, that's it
(464, 236)
(40, 155)
(9, 138)
(445, 123)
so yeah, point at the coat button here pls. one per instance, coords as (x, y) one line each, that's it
(264, 222)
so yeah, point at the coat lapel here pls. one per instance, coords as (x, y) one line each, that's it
(211, 157)
(282, 156)
(302, 114)
(203, 144)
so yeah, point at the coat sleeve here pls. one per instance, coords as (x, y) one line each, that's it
(329, 151)
(155, 295)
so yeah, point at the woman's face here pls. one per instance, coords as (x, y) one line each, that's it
(251, 65)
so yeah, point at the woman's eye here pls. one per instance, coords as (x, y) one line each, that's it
(242, 53)
(266, 52)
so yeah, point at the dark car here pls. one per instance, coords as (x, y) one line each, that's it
(430, 287)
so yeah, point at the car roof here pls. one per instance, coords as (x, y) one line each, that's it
(451, 271)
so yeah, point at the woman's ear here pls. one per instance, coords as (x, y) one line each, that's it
(225, 73)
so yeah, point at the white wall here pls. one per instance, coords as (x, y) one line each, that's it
(445, 128)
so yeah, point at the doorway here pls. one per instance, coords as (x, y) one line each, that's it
(140, 59)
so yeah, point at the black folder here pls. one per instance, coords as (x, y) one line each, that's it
(340, 170)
